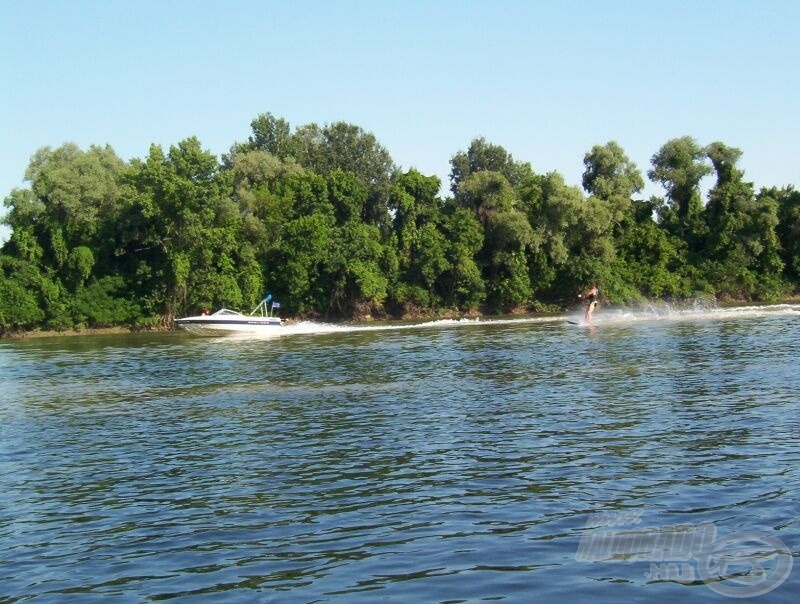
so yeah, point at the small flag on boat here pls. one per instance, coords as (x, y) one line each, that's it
(276, 305)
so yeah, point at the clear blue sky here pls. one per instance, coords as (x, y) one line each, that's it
(547, 80)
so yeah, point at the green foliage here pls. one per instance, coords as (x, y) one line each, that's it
(356, 270)
(679, 166)
(20, 307)
(345, 147)
(612, 177)
(98, 304)
(742, 252)
(485, 157)
(429, 260)
(321, 218)
(649, 264)
(41, 286)
(511, 287)
(80, 262)
(300, 261)
(347, 195)
(463, 284)
(609, 173)
(554, 212)
(78, 189)
(272, 135)
(788, 229)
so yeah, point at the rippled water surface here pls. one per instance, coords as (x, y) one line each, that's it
(443, 462)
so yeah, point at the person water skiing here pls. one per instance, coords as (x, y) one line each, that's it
(591, 297)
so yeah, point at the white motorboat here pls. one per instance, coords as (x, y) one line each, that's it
(225, 321)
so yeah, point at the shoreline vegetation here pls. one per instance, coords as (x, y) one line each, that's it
(321, 218)
(92, 331)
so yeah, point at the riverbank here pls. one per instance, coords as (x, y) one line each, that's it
(160, 328)
(48, 333)
(360, 318)
(364, 318)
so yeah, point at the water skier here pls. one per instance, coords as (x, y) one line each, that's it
(591, 298)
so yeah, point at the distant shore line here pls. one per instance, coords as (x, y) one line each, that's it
(92, 331)
(121, 329)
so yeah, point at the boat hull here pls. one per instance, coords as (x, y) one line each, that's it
(211, 326)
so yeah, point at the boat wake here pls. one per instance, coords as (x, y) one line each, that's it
(691, 311)
(657, 311)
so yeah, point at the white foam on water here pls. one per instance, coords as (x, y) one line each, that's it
(691, 311)
(313, 327)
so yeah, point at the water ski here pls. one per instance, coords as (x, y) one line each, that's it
(580, 323)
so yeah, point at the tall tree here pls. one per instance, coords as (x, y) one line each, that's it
(77, 192)
(788, 229)
(182, 233)
(463, 284)
(412, 201)
(345, 147)
(679, 166)
(420, 241)
(507, 233)
(553, 210)
(348, 148)
(273, 135)
(742, 247)
(612, 177)
(482, 156)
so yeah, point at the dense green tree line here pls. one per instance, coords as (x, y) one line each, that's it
(322, 218)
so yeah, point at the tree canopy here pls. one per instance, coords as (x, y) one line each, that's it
(321, 217)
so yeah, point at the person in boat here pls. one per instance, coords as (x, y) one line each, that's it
(590, 299)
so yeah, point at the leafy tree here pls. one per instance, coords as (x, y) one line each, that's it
(254, 172)
(463, 284)
(788, 229)
(345, 147)
(322, 218)
(60, 225)
(612, 177)
(679, 166)
(24, 245)
(347, 195)
(98, 304)
(78, 189)
(742, 251)
(272, 135)
(355, 280)
(72, 195)
(80, 263)
(348, 148)
(649, 261)
(553, 210)
(507, 233)
(182, 231)
(609, 173)
(20, 307)
(482, 156)
(24, 213)
(430, 258)
(300, 260)
(420, 243)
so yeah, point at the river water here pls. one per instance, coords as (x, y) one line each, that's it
(443, 462)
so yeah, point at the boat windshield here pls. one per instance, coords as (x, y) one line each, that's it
(225, 311)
